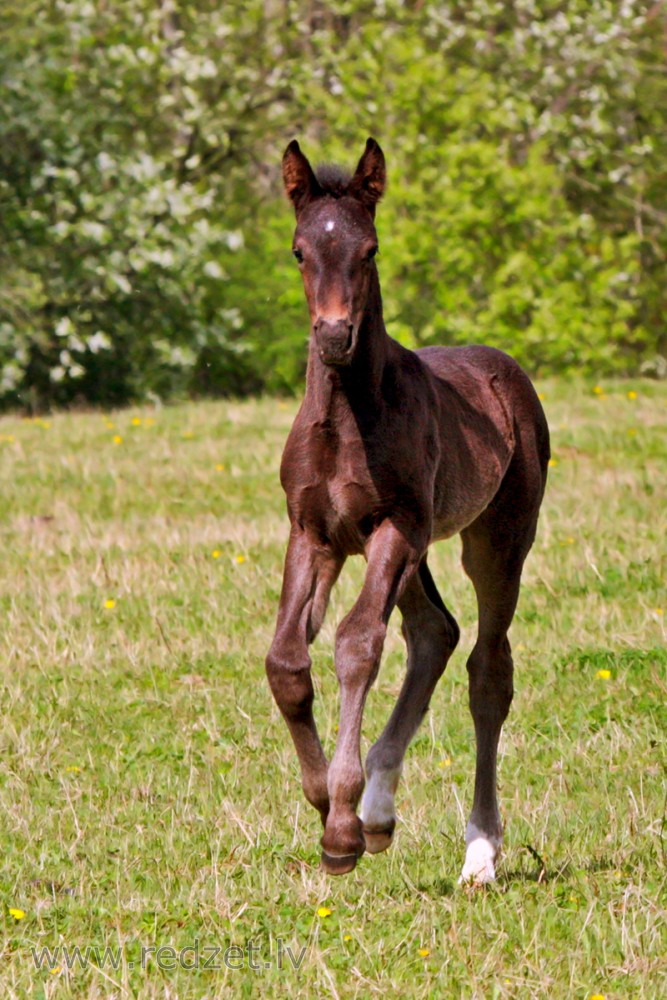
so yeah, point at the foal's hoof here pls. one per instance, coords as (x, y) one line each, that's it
(339, 864)
(379, 840)
(479, 868)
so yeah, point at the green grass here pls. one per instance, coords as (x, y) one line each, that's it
(149, 794)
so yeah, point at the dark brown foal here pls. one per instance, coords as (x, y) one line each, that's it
(390, 450)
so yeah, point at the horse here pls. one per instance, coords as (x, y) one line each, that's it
(391, 450)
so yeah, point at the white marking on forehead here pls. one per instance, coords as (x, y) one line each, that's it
(329, 225)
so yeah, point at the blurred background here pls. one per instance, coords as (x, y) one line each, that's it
(145, 240)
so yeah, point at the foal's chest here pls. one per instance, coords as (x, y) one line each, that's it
(350, 502)
(331, 491)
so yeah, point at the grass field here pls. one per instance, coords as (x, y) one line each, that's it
(149, 794)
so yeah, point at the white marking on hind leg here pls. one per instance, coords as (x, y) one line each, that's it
(482, 851)
(377, 804)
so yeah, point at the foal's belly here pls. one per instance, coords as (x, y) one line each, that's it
(461, 495)
(455, 521)
(346, 512)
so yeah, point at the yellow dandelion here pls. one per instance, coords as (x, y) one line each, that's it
(215, 553)
(552, 462)
(445, 763)
(109, 604)
(56, 971)
(598, 390)
(109, 424)
(136, 421)
(541, 396)
(219, 467)
(117, 439)
(597, 996)
(73, 769)
(603, 675)
(239, 559)
(347, 937)
(45, 424)
(632, 394)
(658, 611)
(16, 913)
(149, 421)
(569, 540)
(324, 911)
(424, 952)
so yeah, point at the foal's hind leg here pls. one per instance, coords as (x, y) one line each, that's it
(431, 634)
(493, 561)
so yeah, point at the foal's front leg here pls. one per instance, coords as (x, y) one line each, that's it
(310, 573)
(392, 559)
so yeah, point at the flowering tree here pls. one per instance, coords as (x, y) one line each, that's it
(144, 249)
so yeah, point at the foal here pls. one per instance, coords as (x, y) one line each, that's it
(390, 450)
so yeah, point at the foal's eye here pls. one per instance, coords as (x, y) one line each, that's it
(298, 255)
(372, 253)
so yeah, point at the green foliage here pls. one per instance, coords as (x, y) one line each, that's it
(145, 242)
(120, 169)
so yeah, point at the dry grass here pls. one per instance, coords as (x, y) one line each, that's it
(148, 793)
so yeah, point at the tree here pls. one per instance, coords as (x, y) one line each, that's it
(145, 242)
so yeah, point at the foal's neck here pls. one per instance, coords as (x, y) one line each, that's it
(359, 385)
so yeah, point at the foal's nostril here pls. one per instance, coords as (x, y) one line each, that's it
(335, 339)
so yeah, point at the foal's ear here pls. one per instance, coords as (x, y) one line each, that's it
(370, 177)
(300, 182)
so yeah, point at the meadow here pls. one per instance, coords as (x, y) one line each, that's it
(149, 794)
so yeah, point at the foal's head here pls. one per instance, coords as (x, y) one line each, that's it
(335, 243)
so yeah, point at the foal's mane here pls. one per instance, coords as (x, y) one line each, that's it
(333, 180)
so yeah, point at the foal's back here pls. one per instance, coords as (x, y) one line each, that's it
(491, 424)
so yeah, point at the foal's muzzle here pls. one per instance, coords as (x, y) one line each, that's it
(335, 341)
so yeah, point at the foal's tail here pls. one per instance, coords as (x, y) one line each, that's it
(527, 471)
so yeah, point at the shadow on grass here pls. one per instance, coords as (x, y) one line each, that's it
(543, 873)
(438, 888)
